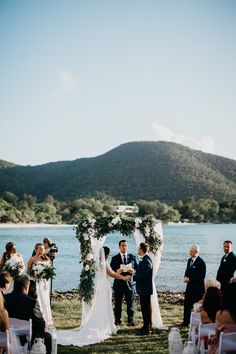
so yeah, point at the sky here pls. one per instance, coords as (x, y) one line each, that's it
(80, 77)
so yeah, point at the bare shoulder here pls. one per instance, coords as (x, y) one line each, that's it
(224, 316)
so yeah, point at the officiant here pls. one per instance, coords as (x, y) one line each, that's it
(120, 262)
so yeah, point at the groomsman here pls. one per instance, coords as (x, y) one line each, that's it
(194, 278)
(227, 265)
(122, 288)
(143, 277)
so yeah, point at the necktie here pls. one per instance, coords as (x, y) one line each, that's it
(124, 259)
(191, 263)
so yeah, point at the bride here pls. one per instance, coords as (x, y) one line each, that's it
(99, 323)
(35, 265)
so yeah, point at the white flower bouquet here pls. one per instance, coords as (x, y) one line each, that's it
(42, 270)
(13, 266)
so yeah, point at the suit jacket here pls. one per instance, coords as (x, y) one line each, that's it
(196, 274)
(227, 268)
(23, 307)
(143, 276)
(116, 261)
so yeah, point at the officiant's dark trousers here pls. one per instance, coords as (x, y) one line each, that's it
(121, 289)
(145, 303)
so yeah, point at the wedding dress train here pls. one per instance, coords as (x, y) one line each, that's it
(99, 323)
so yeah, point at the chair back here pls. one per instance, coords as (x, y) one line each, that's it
(5, 341)
(21, 327)
(195, 320)
(204, 331)
(227, 342)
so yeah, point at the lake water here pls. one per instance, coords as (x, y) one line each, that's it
(177, 239)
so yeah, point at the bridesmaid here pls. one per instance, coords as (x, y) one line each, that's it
(11, 257)
(42, 286)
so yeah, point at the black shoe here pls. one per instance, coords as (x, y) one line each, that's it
(117, 322)
(143, 331)
(131, 324)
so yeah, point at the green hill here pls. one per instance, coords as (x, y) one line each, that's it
(136, 170)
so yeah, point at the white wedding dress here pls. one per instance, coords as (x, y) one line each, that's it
(43, 297)
(99, 323)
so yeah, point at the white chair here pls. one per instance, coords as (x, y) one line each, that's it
(5, 341)
(204, 331)
(227, 342)
(21, 328)
(195, 320)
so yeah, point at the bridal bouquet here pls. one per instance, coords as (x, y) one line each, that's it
(42, 270)
(13, 267)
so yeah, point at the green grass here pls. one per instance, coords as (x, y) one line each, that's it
(67, 314)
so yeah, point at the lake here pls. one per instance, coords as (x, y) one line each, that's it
(177, 240)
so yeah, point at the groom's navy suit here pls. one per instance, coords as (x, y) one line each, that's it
(144, 289)
(122, 288)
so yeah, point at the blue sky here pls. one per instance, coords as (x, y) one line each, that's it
(79, 78)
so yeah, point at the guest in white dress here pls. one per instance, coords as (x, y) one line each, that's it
(99, 322)
(42, 285)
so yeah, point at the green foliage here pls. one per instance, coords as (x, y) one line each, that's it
(148, 171)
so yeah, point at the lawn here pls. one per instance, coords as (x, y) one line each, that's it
(67, 314)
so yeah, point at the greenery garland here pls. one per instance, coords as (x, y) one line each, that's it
(98, 228)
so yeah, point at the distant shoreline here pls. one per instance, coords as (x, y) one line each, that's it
(24, 225)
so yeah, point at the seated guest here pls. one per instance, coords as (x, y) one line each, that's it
(225, 318)
(4, 320)
(20, 305)
(209, 283)
(5, 281)
(212, 302)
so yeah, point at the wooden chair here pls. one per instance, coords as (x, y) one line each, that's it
(5, 341)
(21, 328)
(204, 331)
(227, 342)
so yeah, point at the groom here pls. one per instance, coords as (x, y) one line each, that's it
(122, 288)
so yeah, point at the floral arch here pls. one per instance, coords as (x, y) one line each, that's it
(92, 232)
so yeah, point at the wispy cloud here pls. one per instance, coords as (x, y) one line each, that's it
(67, 80)
(204, 143)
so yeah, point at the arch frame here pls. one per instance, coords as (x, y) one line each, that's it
(96, 228)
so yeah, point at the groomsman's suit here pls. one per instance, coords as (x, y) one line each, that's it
(196, 272)
(226, 269)
(143, 277)
(122, 288)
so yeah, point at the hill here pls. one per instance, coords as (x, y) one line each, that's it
(136, 170)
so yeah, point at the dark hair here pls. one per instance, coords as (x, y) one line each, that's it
(229, 300)
(121, 241)
(8, 247)
(5, 278)
(228, 241)
(47, 240)
(144, 247)
(21, 282)
(212, 302)
(106, 250)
